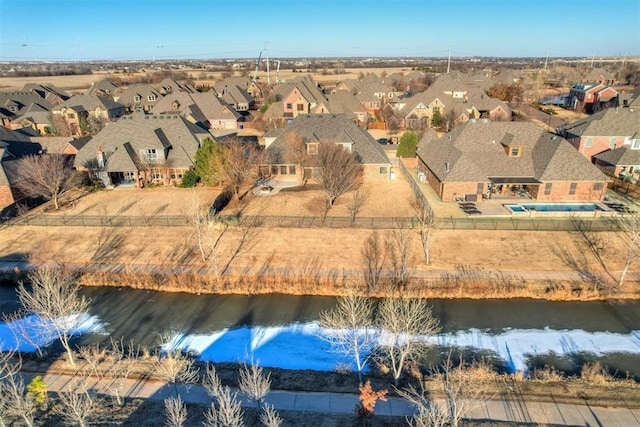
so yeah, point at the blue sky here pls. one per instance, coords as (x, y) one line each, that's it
(51, 30)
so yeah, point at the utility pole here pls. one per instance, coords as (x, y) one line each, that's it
(593, 58)
(546, 61)
(449, 62)
(266, 49)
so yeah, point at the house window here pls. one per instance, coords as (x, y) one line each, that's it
(157, 175)
(300, 107)
(589, 142)
(436, 110)
(13, 108)
(274, 170)
(70, 115)
(292, 169)
(383, 170)
(572, 188)
(612, 142)
(150, 155)
(597, 186)
(289, 106)
(263, 170)
(283, 170)
(137, 98)
(312, 148)
(480, 188)
(547, 188)
(514, 152)
(151, 98)
(346, 147)
(635, 145)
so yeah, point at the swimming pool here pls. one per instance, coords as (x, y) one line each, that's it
(555, 207)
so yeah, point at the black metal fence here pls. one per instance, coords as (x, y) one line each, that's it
(451, 223)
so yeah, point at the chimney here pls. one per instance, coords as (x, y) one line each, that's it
(100, 157)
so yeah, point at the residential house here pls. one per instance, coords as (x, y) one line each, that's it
(104, 88)
(343, 102)
(609, 139)
(14, 105)
(630, 99)
(34, 116)
(244, 83)
(316, 129)
(599, 75)
(138, 97)
(204, 109)
(13, 146)
(485, 158)
(168, 86)
(235, 96)
(80, 108)
(592, 97)
(48, 93)
(299, 96)
(142, 148)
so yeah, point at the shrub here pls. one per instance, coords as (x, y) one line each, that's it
(189, 179)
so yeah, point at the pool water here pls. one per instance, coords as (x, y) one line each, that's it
(555, 207)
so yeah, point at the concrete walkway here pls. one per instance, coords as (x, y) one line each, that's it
(538, 413)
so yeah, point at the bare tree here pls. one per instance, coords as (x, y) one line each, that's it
(110, 366)
(405, 322)
(227, 412)
(355, 203)
(340, 172)
(176, 412)
(426, 223)
(373, 256)
(238, 166)
(254, 383)
(295, 152)
(55, 303)
(462, 388)
(14, 402)
(630, 236)
(47, 175)
(76, 408)
(398, 247)
(173, 366)
(347, 328)
(270, 417)
(202, 218)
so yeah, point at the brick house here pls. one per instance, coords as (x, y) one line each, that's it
(204, 109)
(13, 146)
(315, 129)
(483, 157)
(82, 107)
(142, 148)
(607, 130)
(592, 96)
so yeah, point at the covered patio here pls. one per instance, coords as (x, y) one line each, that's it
(511, 188)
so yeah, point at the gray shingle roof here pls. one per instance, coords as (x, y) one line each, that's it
(202, 106)
(89, 103)
(474, 152)
(622, 156)
(330, 128)
(609, 122)
(170, 133)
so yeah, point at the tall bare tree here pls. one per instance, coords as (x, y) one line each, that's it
(295, 152)
(356, 201)
(405, 323)
(77, 407)
(426, 223)
(270, 417)
(348, 329)
(46, 175)
(373, 256)
(630, 236)
(399, 249)
(14, 402)
(340, 172)
(53, 298)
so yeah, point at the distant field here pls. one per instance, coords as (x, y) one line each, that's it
(79, 82)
